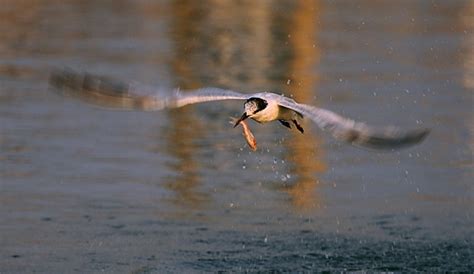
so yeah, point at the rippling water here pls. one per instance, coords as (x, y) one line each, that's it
(86, 189)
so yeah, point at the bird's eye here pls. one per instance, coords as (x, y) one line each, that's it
(261, 104)
(254, 105)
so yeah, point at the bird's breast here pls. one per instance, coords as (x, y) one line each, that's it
(268, 114)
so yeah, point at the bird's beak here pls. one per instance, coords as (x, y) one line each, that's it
(243, 117)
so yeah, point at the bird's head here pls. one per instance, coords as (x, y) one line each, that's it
(251, 107)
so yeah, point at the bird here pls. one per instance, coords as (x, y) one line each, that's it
(262, 107)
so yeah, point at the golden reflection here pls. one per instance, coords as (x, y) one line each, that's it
(222, 43)
(184, 128)
(211, 48)
(185, 32)
(245, 45)
(468, 22)
(467, 18)
(18, 30)
(305, 153)
(181, 146)
(18, 24)
(240, 43)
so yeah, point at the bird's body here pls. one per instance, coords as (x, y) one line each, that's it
(275, 112)
(266, 112)
(262, 107)
(266, 107)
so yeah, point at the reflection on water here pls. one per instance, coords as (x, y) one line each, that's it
(185, 126)
(242, 58)
(304, 151)
(468, 22)
(467, 19)
(93, 182)
(215, 48)
(184, 129)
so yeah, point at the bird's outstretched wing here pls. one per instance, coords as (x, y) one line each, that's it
(357, 133)
(110, 92)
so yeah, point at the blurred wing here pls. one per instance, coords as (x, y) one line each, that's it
(109, 92)
(358, 133)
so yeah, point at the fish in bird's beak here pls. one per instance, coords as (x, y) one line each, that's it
(251, 142)
(243, 117)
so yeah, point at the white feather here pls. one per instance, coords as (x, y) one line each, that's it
(110, 92)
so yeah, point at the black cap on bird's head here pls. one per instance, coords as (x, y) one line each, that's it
(252, 106)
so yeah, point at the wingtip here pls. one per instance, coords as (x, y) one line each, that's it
(420, 135)
(414, 137)
(63, 78)
(390, 141)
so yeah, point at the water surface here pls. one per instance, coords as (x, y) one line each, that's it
(84, 189)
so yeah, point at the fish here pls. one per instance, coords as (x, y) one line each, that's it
(251, 141)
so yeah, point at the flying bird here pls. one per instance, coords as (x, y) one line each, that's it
(261, 107)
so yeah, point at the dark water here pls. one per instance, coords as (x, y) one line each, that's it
(85, 189)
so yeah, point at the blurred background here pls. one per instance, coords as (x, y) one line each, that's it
(85, 189)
